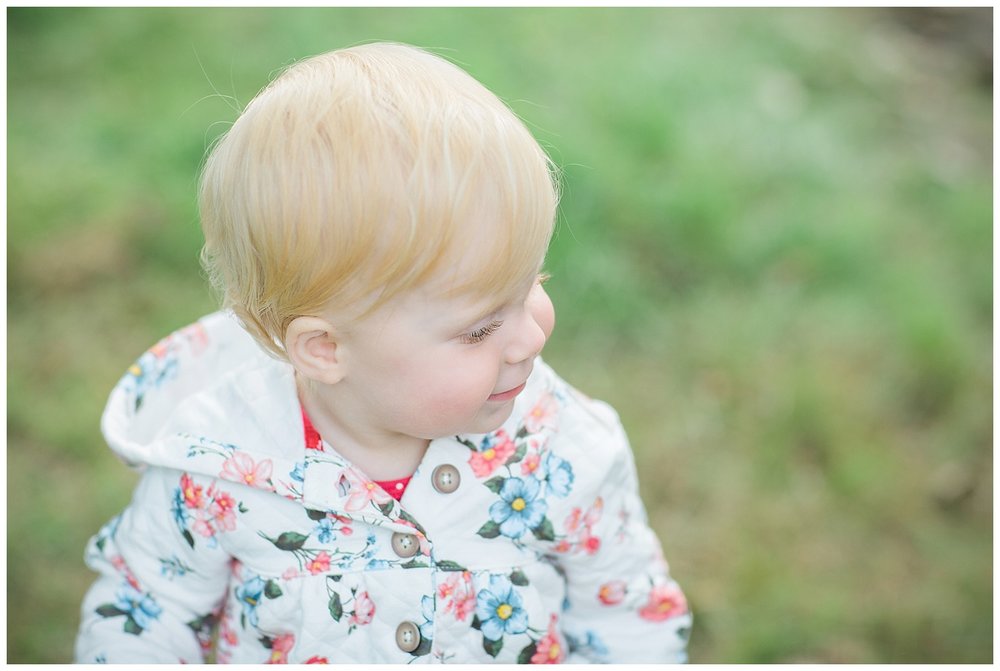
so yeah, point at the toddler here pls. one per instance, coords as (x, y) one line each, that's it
(363, 458)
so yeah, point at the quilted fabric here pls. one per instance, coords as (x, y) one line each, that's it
(247, 543)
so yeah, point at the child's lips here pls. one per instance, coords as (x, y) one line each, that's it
(509, 394)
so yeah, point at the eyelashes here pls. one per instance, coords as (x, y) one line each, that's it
(485, 332)
(482, 333)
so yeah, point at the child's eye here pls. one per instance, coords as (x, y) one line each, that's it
(482, 334)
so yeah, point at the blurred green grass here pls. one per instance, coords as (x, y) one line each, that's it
(774, 258)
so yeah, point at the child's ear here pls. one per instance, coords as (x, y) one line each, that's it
(312, 347)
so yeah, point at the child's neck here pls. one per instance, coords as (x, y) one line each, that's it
(380, 455)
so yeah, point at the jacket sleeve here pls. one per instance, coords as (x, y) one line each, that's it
(622, 605)
(160, 584)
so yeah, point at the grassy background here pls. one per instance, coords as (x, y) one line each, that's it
(774, 258)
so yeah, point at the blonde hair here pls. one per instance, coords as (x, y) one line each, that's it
(363, 172)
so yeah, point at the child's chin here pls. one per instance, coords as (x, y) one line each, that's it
(494, 421)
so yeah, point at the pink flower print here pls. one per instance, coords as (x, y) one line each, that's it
(192, 493)
(458, 595)
(224, 511)
(573, 520)
(612, 593)
(226, 631)
(316, 659)
(319, 564)
(241, 468)
(593, 515)
(550, 649)
(119, 563)
(484, 462)
(280, 647)
(203, 528)
(197, 336)
(291, 574)
(530, 464)
(579, 529)
(542, 415)
(362, 491)
(364, 610)
(665, 602)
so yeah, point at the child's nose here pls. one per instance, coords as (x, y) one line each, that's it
(529, 341)
(537, 322)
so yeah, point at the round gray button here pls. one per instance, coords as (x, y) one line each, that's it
(407, 636)
(405, 545)
(445, 478)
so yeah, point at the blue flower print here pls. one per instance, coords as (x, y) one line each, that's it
(324, 530)
(141, 608)
(500, 609)
(427, 612)
(250, 594)
(519, 509)
(179, 510)
(299, 472)
(592, 646)
(559, 474)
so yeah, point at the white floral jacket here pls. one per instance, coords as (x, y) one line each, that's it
(245, 544)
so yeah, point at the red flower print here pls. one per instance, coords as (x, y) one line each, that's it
(241, 468)
(612, 593)
(364, 609)
(224, 511)
(485, 462)
(319, 564)
(192, 493)
(346, 529)
(665, 602)
(550, 649)
(280, 648)
(316, 659)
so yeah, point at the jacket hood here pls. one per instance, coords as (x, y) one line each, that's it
(207, 383)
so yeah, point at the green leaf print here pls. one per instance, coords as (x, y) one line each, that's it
(495, 484)
(527, 653)
(518, 455)
(271, 589)
(544, 531)
(448, 565)
(518, 578)
(290, 541)
(108, 610)
(132, 627)
(492, 648)
(335, 607)
(489, 530)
